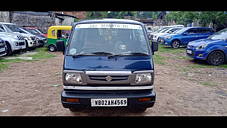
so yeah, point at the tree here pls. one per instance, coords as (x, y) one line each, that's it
(217, 18)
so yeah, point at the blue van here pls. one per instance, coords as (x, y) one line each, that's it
(185, 35)
(213, 49)
(108, 63)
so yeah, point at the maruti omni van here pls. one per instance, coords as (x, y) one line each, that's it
(108, 63)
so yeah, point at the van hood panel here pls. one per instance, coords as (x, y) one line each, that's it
(102, 63)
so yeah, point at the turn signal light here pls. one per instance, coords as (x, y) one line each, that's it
(144, 99)
(72, 100)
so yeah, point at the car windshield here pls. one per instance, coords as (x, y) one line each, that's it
(14, 28)
(31, 31)
(220, 35)
(108, 38)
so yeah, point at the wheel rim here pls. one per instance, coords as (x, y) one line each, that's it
(52, 48)
(176, 44)
(217, 58)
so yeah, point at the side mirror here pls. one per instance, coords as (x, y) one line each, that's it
(154, 47)
(60, 46)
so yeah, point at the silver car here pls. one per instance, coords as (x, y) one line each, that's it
(13, 28)
(13, 42)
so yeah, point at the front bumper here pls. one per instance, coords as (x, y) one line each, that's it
(196, 54)
(18, 45)
(86, 96)
(167, 42)
(31, 43)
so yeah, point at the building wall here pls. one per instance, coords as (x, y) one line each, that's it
(4, 16)
(42, 22)
(78, 14)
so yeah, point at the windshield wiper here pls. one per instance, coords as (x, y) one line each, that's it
(129, 54)
(102, 53)
(84, 54)
(91, 54)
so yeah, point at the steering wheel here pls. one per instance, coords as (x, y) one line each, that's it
(120, 47)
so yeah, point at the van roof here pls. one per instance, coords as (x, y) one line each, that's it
(110, 20)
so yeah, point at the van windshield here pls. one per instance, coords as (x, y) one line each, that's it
(110, 38)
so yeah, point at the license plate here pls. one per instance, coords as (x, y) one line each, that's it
(189, 51)
(109, 102)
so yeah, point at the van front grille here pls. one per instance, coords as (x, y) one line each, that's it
(108, 78)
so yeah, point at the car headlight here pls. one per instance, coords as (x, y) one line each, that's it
(144, 78)
(201, 46)
(73, 78)
(168, 37)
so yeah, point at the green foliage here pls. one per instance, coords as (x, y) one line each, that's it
(218, 18)
(122, 14)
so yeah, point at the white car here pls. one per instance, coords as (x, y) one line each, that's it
(13, 42)
(12, 28)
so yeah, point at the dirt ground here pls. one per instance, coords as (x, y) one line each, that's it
(31, 89)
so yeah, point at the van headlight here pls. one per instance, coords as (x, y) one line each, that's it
(73, 78)
(144, 78)
(203, 46)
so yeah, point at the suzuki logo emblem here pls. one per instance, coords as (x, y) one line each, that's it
(108, 78)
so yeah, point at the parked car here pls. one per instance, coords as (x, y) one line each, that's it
(172, 31)
(13, 42)
(35, 31)
(187, 34)
(40, 41)
(2, 47)
(213, 49)
(12, 28)
(156, 37)
(57, 33)
(161, 29)
(108, 63)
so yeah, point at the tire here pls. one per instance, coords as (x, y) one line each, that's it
(75, 109)
(175, 44)
(138, 109)
(8, 49)
(52, 48)
(26, 44)
(216, 58)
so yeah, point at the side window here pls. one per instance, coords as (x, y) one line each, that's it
(53, 32)
(200, 31)
(192, 31)
(2, 29)
(205, 30)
